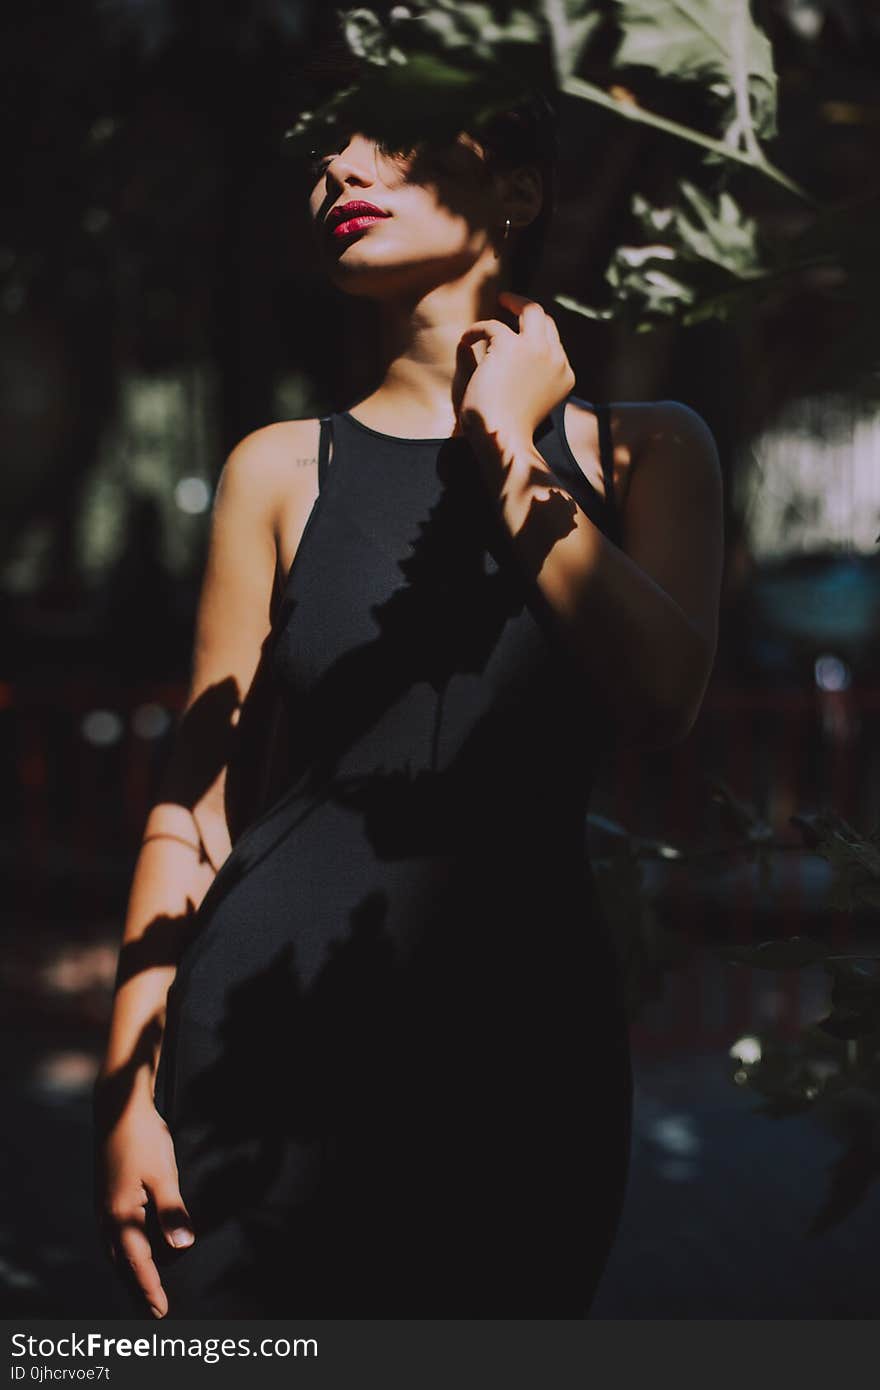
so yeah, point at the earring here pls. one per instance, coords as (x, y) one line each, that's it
(506, 228)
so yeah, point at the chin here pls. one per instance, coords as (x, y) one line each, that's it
(367, 278)
(375, 277)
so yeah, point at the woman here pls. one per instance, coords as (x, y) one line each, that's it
(394, 1076)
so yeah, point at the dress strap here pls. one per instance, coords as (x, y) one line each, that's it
(324, 450)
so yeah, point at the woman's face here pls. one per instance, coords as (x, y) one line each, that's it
(435, 212)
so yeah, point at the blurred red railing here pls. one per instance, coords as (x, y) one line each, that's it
(783, 750)
(83, 761)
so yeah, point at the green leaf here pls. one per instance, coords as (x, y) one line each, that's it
(570, 24)
(703, 253)
(854, 858)
(718, 233)
(521, 48)
(567, 301)
(795, 952)
(638, 115)
(368, 38)
(315, 127)
(509, 40)
(421, 99)
(714, 42)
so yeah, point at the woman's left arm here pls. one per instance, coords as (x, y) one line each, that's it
(642, 621)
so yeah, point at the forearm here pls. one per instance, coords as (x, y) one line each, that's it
(170, 880)
(628, 637)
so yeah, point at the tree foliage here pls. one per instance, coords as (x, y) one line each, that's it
(831, 1069)
(429, 69)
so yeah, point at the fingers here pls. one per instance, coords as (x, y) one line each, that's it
(171, 1213)
(485, 328)
(127, 1243)
(480, 337)
(469, 355)
(532, 315)
(533, 321)
(135, 1253)
(552, 332)
(533, 318)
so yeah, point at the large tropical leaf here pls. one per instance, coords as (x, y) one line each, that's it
(508, 49)
(570, 26)
(427, 74)
(428, 71)
(701, 255)
(713, 42)
(423, 98)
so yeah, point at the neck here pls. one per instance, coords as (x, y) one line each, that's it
(419, 336)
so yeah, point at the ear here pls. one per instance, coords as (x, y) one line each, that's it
(521, 193)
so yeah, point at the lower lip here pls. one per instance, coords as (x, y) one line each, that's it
(355, 224)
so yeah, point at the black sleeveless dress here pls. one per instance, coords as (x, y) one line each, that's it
(396, 1062)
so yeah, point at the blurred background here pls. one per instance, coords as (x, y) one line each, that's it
(158, 300)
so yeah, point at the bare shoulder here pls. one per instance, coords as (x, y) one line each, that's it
(663, 429)
(675, 453)
(668, 424)
(274, 471)
(272, 456)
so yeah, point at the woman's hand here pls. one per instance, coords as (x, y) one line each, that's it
(135, 1163)
(506, 382)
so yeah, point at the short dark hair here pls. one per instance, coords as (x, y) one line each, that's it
(526, 134)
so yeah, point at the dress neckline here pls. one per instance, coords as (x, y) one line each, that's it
(555, 419)
(396, 438)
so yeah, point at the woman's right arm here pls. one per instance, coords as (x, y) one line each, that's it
(185, 840)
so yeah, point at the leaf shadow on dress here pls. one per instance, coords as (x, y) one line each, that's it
(432, 1120)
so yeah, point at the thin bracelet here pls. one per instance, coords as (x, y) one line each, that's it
(165, 835)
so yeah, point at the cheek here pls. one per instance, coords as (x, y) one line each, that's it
(435, 225)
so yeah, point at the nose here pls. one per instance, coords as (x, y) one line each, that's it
(355, 163)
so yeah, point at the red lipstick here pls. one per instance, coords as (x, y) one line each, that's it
(353, 216)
